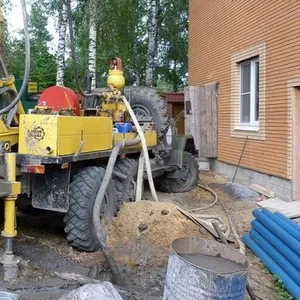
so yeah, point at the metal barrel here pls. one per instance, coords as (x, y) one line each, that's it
(188, 281)
(8, 296)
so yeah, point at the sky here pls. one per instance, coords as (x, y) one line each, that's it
(15, 21)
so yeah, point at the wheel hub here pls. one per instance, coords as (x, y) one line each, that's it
(142, 113)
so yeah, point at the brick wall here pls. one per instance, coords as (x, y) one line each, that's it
(220, 31)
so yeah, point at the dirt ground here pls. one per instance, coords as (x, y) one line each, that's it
(139, 237)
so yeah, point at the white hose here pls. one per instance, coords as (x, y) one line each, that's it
(144, 146)
(140, 178)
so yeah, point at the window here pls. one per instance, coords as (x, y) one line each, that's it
(249, 93)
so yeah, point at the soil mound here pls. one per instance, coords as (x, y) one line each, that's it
(142, 233)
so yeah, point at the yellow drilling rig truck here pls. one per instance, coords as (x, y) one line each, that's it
(82, 158)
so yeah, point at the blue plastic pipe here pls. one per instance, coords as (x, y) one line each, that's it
(277, 243)
(288, 282)
(284, 225)
(285, 237)
(276, 256)
(287, 220)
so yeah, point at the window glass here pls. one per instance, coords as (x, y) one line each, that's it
(245, 108)
(246, 77)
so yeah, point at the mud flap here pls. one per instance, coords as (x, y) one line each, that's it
(178, 146)
(51, 190)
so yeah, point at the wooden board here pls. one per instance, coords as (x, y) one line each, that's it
(289, 209)
(202, 123)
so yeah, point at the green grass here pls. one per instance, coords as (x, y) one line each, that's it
(280, 290)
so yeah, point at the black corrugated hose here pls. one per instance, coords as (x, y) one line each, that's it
(27, 65)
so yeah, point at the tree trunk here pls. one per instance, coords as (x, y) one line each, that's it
(92, 52)
(62, 29)
(152, 41)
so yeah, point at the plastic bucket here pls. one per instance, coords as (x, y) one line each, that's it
(123, 127)
(202, 269)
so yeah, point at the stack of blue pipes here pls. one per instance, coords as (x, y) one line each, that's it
(275, 239)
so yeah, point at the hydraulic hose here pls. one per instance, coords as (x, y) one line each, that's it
(97, 212)
(145, 149)
(12, 92)
(27, 62)
(209, 205)
(73, 54)
(97, 208)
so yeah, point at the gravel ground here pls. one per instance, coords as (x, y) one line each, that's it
(41, 244)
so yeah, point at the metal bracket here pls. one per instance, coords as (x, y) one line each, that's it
(80, 145)
(9, 188)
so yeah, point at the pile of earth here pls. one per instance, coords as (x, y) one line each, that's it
(143, 232)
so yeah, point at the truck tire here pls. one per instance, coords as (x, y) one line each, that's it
(126, 189)
(146, 102)
(79, 218)
(189, 177)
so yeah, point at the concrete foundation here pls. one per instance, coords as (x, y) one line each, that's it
(282, 187)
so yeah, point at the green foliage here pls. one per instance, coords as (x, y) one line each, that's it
(43, 63)
(173, 32)
(280, 290)
(121, 31)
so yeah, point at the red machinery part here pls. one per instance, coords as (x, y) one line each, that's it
(116, 64)
(60, 97)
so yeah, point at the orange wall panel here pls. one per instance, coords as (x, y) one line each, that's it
(219, 29)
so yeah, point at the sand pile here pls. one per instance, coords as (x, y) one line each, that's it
(142, 233)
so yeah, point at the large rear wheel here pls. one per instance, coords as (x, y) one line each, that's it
(79, 218)
(126, 188)
(146, 102)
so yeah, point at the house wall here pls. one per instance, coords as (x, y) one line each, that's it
(221, 31)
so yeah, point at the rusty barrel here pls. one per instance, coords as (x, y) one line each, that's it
(203, 269)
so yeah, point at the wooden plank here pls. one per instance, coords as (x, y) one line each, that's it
(195, 109)
(262, 190)
(208, 120)
(202, 121)
(291, 213)
(192, 98)
(207, 103)
(212, 119)
(214, 124)
(279, 204)
(289, 209)
(187, 118)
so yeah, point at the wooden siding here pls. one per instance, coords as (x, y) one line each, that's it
(219, 30)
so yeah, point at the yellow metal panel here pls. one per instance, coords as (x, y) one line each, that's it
(96, 133)
(150, 136)
(3, 128)
(9, 134)
(54, 135)
(37, 132)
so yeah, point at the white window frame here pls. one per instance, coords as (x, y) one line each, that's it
(253, 125)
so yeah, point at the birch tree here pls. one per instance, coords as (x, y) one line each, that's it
(92, 46)
(152, 40)
(62, 29)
